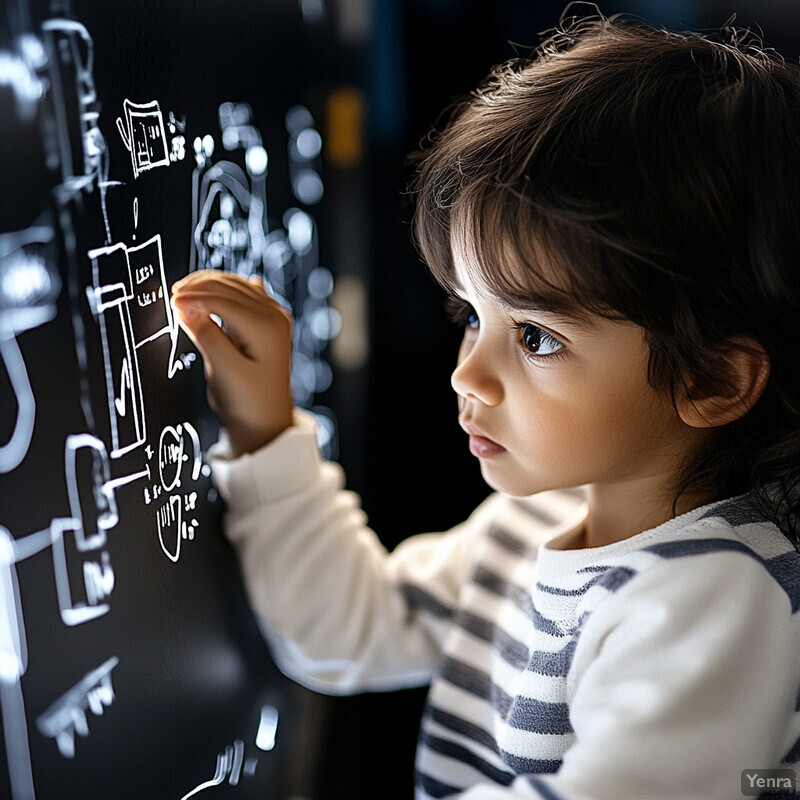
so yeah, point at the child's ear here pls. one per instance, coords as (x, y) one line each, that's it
(745, 368)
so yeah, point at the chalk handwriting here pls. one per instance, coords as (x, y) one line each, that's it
(179, 465)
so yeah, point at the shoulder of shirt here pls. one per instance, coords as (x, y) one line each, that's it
(735, 526)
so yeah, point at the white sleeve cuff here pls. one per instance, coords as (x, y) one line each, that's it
(279, 468)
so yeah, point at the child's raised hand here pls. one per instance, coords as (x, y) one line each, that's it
(248, 362)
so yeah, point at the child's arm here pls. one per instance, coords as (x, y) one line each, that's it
(349, 616)
(341, 614)
(248, 363)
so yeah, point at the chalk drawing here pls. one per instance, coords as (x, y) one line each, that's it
(231, 765)
(50, 75)
(29, 287)
(229, 203)
(130, 300)
(84, 579)
(231, 232)
(179, 463)
(13, 663)
(67, 716)
(70, 54)
(142, 132)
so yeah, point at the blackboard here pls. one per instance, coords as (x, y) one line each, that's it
(130, 666)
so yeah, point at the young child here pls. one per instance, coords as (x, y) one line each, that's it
(616, 222)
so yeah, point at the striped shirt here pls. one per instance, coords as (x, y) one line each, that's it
(660, 666)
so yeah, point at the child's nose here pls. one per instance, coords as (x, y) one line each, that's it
(475, 376)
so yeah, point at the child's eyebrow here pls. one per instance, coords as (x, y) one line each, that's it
(570, 315)
(563, 314)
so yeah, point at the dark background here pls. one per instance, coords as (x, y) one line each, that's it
(397, 434)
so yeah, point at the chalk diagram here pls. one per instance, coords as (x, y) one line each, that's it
(128, 303)
(232, 231)
(29, 286)
(128, 279)
(142, 131)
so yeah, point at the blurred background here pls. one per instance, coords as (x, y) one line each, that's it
(368, 78)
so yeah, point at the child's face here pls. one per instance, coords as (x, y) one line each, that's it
(553, 402)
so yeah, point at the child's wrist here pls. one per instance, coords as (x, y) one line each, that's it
(244, 438)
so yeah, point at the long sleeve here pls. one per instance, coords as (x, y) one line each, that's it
(335, 605)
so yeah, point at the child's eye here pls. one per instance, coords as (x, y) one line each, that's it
(538, 342)
(462, 313)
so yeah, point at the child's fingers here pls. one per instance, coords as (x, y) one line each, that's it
(257, 325)
(233, 307)
(214, 280)
(214, 344)
(248, 330)
(222, 300)
(213, 291)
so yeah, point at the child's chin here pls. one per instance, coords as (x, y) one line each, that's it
(512, 485)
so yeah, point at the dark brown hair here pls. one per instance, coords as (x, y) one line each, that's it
(651, 176)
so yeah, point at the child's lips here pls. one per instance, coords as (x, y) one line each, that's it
(481, 445)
